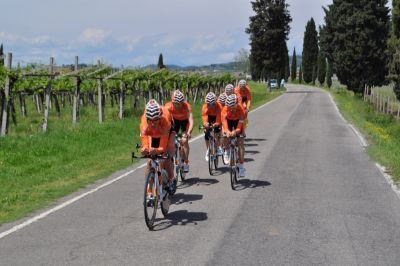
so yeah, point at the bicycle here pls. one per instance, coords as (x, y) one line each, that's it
(154, 191)
(212, 151)
(178, 162)
(233, 160)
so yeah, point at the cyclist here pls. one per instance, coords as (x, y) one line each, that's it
(244, 94)
(181, 112)
(229, 89)
(211, 116)
(155, 129)
(232, 118)
(221, 100)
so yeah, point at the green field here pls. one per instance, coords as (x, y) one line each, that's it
(36, 168)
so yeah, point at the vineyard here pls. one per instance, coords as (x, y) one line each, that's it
(55, 88)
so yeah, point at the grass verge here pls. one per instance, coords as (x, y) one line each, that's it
(36, 169)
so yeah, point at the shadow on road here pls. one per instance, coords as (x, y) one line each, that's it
(250, 140)
(248, 183)
(181, 217)
(250, 144)
(196, 181)
(180, 198)
(251, 152)
(246, 160)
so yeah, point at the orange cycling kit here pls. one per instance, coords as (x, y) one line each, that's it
(180, 116)
(211, 116)
(232, 119)
(244, 96)
(158, 136)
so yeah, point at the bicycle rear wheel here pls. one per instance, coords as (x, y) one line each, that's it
(233, 170)
(150, 202)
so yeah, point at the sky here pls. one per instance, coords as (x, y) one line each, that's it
(134, 33)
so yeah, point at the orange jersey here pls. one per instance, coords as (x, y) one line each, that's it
(215, 111)
(244, 96)
(161, 131)
(179, 114)
(238, 114)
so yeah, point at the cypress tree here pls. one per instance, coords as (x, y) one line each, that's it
(294, 65)
(354, 39)
(1, 55)
(269, 29)
(321, 68)
(300, 75)
(394, 48)
(287, 72)
(314, 74)
(329, 75)
(160, 64)
(310, 51)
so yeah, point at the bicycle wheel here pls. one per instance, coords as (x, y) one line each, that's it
(233, 171)
(182, 173)
(223, 159)
(165, 204)
(150, 202)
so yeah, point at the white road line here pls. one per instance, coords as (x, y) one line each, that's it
(69, 202)
(364, 144)
(360, 137)
(389, 179)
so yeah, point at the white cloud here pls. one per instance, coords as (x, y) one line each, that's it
(226, 57)
(94, 36)
(209, 43)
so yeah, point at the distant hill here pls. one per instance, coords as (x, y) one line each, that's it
(225, 67)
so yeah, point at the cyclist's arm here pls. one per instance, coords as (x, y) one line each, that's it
(163, 144)
(204, 116)
(218, 118)
(248, 99)
(190, 129)
(224, 121)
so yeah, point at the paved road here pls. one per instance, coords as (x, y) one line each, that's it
(311, 196)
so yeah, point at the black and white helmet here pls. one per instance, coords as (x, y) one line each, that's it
(177, 97)
(211, 98)
(231, 100)
(242, 83)
(229, 89)
(222, 98)
(153, 110)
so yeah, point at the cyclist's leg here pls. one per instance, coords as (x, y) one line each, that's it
(240, 143)
(185, 141)
(168, 165)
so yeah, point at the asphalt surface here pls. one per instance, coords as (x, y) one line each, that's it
(311, 196)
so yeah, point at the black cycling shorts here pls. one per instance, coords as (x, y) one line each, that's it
(207, 133)
(232, 124)
(181, 125)
(155, 143)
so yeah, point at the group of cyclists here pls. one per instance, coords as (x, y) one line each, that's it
(226, 113)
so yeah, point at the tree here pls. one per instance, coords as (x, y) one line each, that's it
(394, 48)
(321, 68)
(160, 64)
(310, 51)
(294, 65)
(268, 29)
(354, 39)
(300, 75)
(329, 75)
(1, 55)
(242, 60)
(287, 72)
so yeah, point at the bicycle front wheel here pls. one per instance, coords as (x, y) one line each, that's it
(150, 202)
